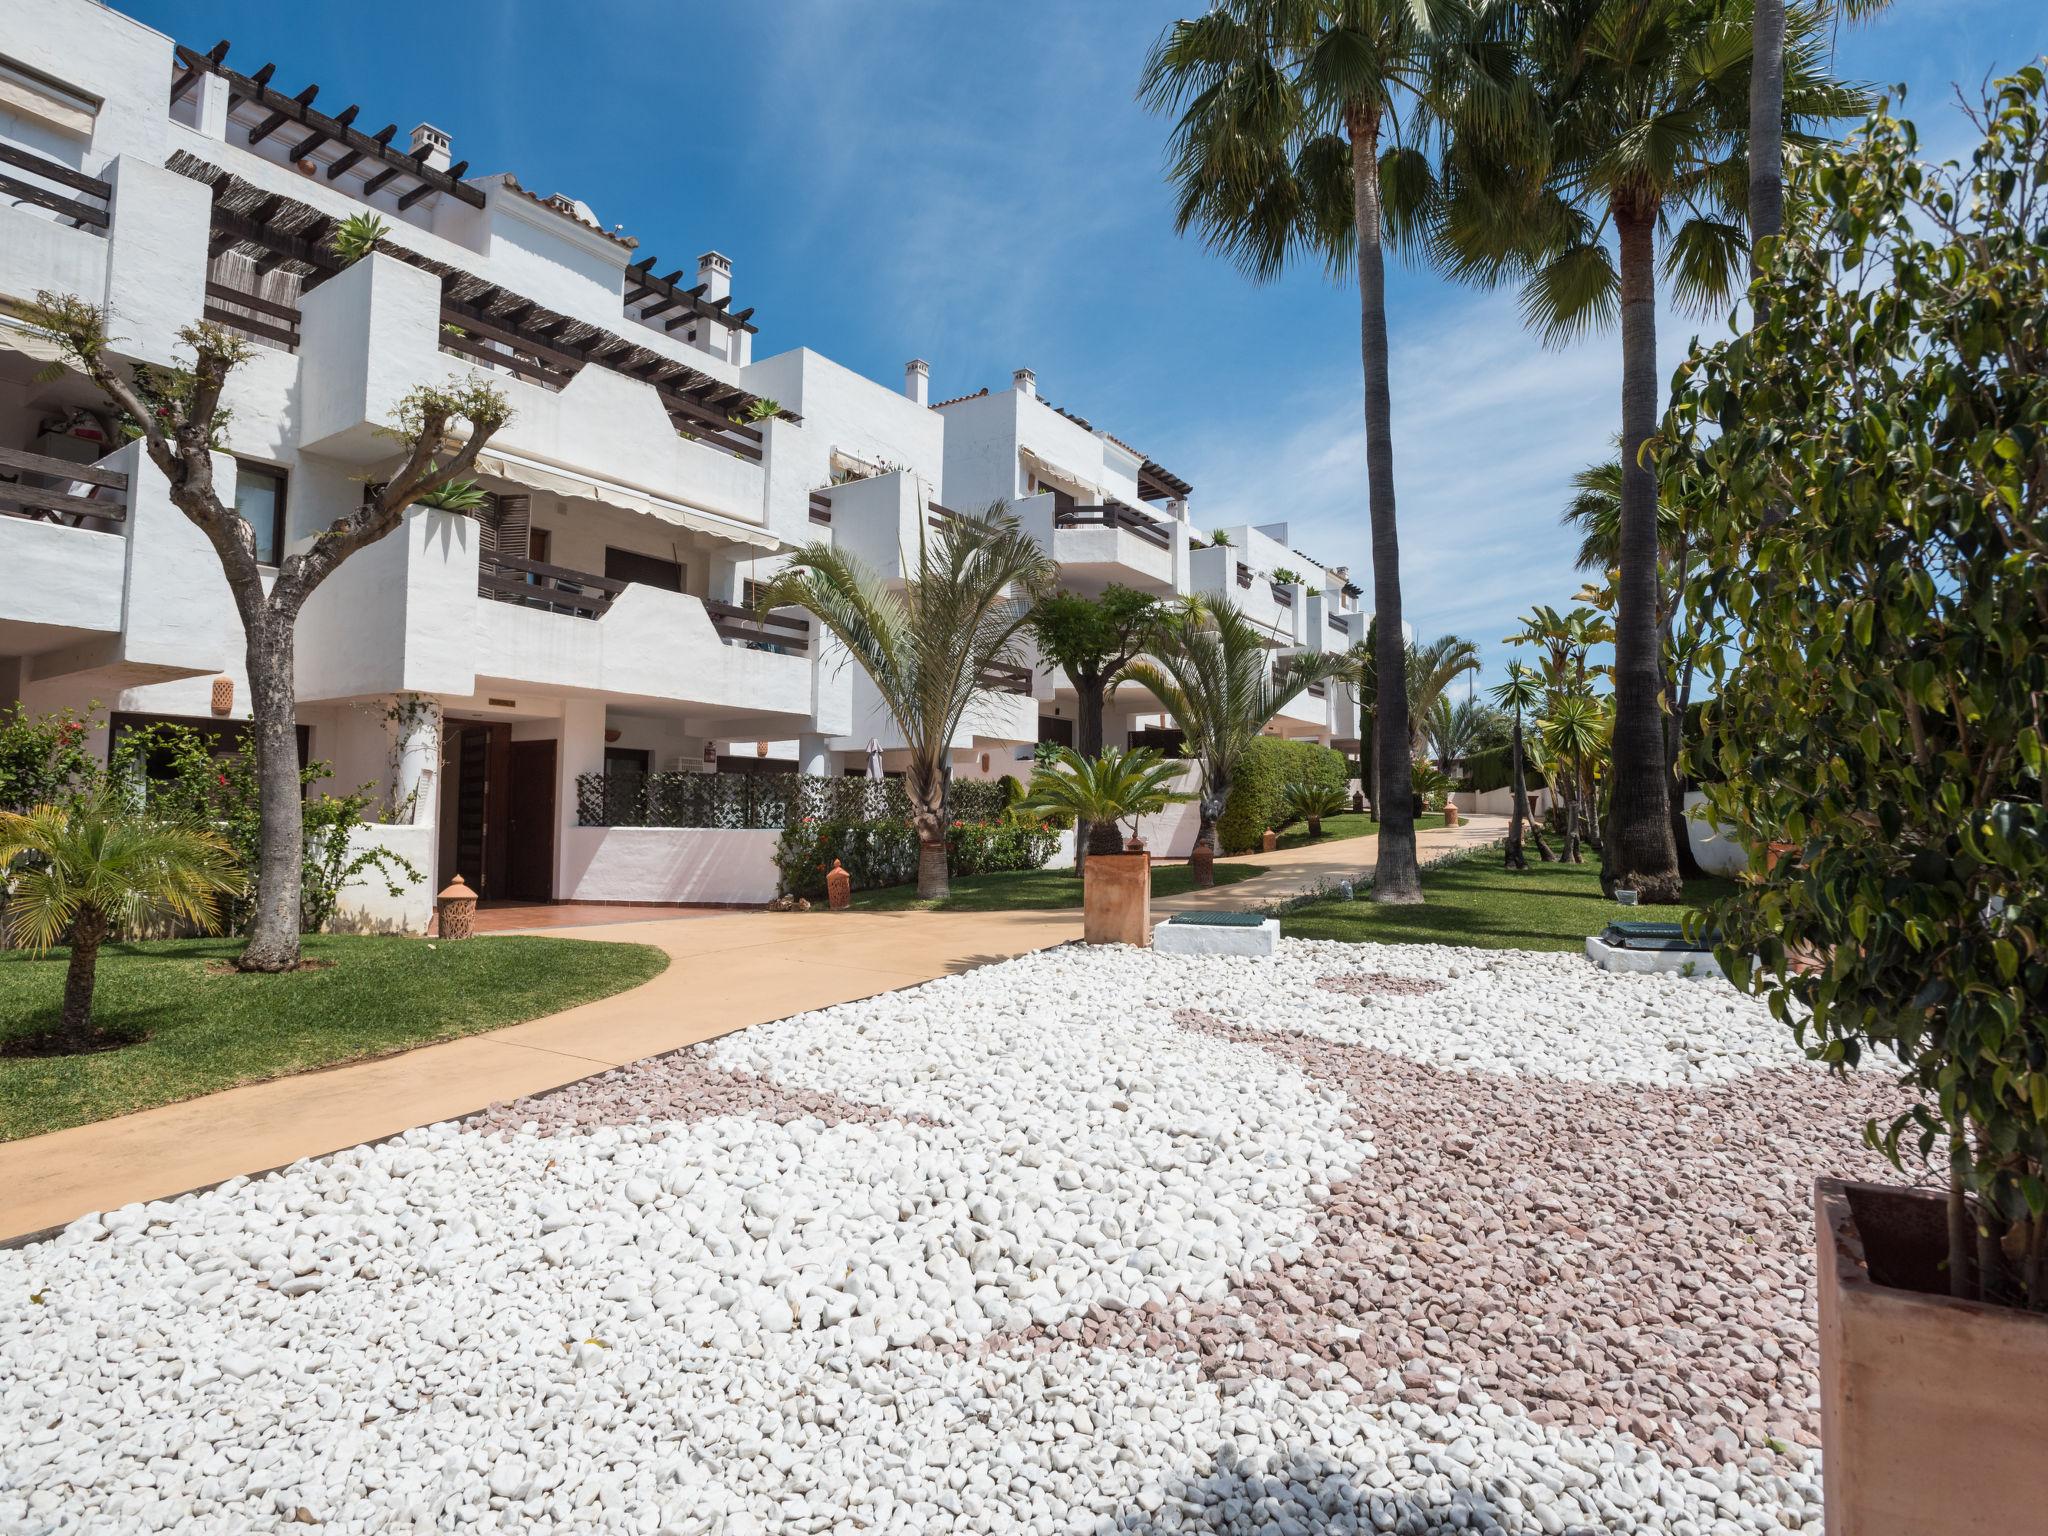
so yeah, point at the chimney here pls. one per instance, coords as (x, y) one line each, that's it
(917, 380)
(426, 136)
(715, 272)
(1026, 382)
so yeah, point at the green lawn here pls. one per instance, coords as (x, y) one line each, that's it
(209, 1030)
(1028, 890)
(1475, 901)
(1337, 828)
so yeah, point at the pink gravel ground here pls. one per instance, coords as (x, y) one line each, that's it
(1602, 1256)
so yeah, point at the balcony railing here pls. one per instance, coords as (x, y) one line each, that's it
(1115, 514)
(760, 632)
(821, 508)
(1283, 595)
(253, 315)
(1338, 625)
(1244, 575)
(92, 211)
(47, 490)
(1007, 679)
(536, 584)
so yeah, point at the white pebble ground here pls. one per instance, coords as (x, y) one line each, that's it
(1094, 1240)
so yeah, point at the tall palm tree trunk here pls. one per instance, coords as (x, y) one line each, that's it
(74, 1025)
(1519, 814)
(1766, 125)
(926, 785)
(1638, 851)
(1395, 876)
(274, 931)
(1088, 704)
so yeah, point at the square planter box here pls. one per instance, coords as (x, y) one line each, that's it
(1116, 899)
(1934, 1411)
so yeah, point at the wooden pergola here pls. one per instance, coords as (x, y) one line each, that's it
(491, 323)
(1155, 481)
(313, 130)
(659, 296)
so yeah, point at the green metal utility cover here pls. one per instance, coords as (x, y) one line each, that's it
(1667, 936)
(1218, 919)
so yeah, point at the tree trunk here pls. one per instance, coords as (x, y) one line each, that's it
(281, 851)
(1215, 795)
(1519, 811)
(1396, 877)
(1674, 744)
(1638, 847)
(1766, 126)
(934, 881)
(1087, 742)
(74, 1026)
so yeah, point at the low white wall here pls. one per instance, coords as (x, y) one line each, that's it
(670, 864)
(1498, 802)
(1717, 855)
(367, 905)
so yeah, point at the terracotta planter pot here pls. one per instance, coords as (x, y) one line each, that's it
(1116, 899)
(1933, 1412)
(1203, 863)
(1450, 814)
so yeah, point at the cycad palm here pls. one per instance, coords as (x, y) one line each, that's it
(1283, 106)
(96, 865)
(1102, 791)
(928, 645)
(1213, 672)
(1633, 116)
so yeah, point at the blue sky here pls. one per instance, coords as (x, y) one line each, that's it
(974, 184)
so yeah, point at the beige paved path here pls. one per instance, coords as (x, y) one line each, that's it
(725, 973)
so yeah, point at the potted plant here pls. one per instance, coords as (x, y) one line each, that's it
(1871, 483)
(1105, 792)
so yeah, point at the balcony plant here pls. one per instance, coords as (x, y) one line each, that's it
(928, 643)
(1105, 792)
(1872, 589)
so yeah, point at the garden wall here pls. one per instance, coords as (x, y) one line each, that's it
(715, 865)
(366, 904)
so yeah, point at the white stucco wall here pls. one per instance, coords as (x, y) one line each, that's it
(66, 578)
(367, 905)
(668, 864)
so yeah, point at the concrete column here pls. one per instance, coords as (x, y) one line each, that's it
(213, 106)
(580, 751)
(813, 755)
(156, 258)
(416, 759)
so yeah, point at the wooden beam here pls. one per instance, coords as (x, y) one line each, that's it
(320, 135)
(380, 138)
(424, 189)
(380, 178)
(284, 114)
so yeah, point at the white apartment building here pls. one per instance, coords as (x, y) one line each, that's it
(478, 670)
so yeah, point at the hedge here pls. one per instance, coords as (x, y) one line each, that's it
(763, 800)
(1258, 794)
(1495, 768)
(876, 853)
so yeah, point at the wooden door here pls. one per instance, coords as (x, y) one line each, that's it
(530, 822)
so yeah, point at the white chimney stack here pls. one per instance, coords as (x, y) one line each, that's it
(1026, 382)
(715, 273)
(917, 380)
(426, 136)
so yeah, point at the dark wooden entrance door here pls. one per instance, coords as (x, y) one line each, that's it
(530, 830)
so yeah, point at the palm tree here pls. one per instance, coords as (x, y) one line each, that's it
(1566, 641)
(1456, 731)
(929, 645)
(1211, 669)
(1431, 669)
(1310, 803)
(95, 865)
(1521, 692)
(1576, 727)
(1102, 791)
(1092, 639)
(1634, 117)
(1277, 155)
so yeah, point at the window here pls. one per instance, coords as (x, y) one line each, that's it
(621, 762)
(259, 499)
(647, 570)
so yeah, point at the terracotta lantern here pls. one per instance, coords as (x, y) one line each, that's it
(1450, 813)
(839, 887)
(1202, 862)
(1358, 802)
(223, 695)
(1270, 841)
(456, 906)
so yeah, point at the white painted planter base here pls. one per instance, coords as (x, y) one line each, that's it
(1170, 938)
(1651, 962)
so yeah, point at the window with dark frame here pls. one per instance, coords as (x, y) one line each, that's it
(259, 501)
(646, 570)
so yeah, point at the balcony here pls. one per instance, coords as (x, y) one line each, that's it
(62, 546)
(1110, 543)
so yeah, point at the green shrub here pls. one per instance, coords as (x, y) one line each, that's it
(1495, 769)
(1258, 795)
(43, 758)
(878, 853)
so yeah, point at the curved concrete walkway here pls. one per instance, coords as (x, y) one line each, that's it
(724, 973)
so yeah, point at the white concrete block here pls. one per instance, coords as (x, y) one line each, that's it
(1171, 938)
(1651, 962)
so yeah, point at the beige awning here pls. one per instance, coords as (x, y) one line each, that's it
(1086, 491)
(566, 482)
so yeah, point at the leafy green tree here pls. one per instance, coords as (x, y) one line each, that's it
(95, 866)
(1280, 147)
(178, 429)
(1093, 639)
(1629, 118)
(928, 645)
(1102, 791)
(1212, 670)
(1872, 588)
(1520, 694)
(43, 758)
